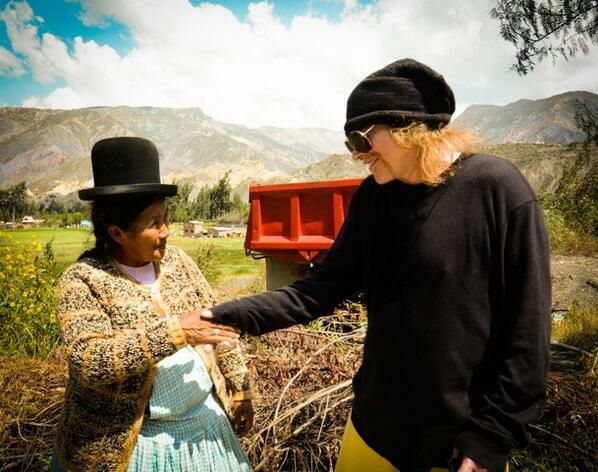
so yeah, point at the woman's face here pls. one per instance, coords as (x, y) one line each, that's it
(145, 240)
(387, 160)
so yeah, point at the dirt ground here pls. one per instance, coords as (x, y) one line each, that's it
(574, 279)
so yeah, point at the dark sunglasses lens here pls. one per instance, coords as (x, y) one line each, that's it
(349, 145)
(358, 142)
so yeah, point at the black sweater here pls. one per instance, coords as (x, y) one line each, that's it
(457, 286)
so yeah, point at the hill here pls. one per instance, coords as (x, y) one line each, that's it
(546, 121)
(50, 149)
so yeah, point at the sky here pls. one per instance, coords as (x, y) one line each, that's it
(278, 63)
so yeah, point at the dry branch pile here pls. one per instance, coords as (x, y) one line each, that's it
(565, 437)
(31, 395)
(303, 380)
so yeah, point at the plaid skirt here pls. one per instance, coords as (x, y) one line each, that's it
(186, 429)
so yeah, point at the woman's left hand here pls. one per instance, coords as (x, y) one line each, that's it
(199, 331)
(242, 416)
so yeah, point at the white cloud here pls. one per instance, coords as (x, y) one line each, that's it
(10, 65)
(259, 71)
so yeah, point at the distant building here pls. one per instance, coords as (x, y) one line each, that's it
(30, 222)
(86, 224)
(192, 229)
(227, 231)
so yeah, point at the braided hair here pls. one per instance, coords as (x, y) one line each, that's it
(120, 211)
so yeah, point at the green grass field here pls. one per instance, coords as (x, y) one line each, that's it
(69, 243)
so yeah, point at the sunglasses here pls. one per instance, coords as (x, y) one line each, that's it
(359, 141)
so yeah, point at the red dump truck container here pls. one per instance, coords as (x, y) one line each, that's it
(293, 225)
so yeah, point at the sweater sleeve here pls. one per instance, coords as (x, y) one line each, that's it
(517, 394)
(98, 352)
(231, 363)
(338, 277)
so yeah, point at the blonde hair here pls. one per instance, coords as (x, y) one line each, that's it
(432, 147)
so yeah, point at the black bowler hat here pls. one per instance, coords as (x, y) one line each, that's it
(398, 95)
(125, 166)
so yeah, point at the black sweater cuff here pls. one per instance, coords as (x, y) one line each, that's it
(226, 313)
(491, 455)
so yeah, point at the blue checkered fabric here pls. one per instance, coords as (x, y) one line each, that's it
(186, 429)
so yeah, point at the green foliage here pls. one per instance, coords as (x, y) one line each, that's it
(577, 194)
(538, 29)
(586, 120)
(28, 298)
(13, 202)
(565, 239)
(573, 208)
(238, 215)
(211, 202)
(561, 28)
(179, 208)
(220, 197)
(208, 261)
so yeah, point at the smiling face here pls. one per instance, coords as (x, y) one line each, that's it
(145, 240)
(387, 161)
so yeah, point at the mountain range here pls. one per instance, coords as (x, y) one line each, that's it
(49, 149)
(547, 121)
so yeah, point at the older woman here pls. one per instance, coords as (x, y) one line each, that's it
(143, 393)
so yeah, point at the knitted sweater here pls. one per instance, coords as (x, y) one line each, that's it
(116, 331)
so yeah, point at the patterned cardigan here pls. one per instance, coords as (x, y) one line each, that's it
(116, 331)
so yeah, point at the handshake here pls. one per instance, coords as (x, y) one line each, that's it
(199, 330)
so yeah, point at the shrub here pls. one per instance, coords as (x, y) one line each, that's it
(28, 298)
(208, 260)
(564, 238)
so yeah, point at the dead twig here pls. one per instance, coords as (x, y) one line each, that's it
(564, 441)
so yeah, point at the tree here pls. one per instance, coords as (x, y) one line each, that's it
(220, 197)
(201, 204)
(55, 206)
(213, 202)
(179, 206)
(576, 195)
(559, 28)
(586, 119)
(13, 202)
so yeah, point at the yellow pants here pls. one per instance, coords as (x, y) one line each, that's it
(356, 456)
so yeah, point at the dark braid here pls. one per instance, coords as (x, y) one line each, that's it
(120, 211)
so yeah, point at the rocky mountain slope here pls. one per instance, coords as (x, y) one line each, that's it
(50, 149)
(546, 121)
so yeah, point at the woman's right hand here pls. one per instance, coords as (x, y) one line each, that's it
(201, 331)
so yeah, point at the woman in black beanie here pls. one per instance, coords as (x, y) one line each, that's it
(450, 250)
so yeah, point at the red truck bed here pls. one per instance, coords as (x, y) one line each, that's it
(297, 222)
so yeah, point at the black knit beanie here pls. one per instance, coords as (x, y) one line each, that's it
(399, 94)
